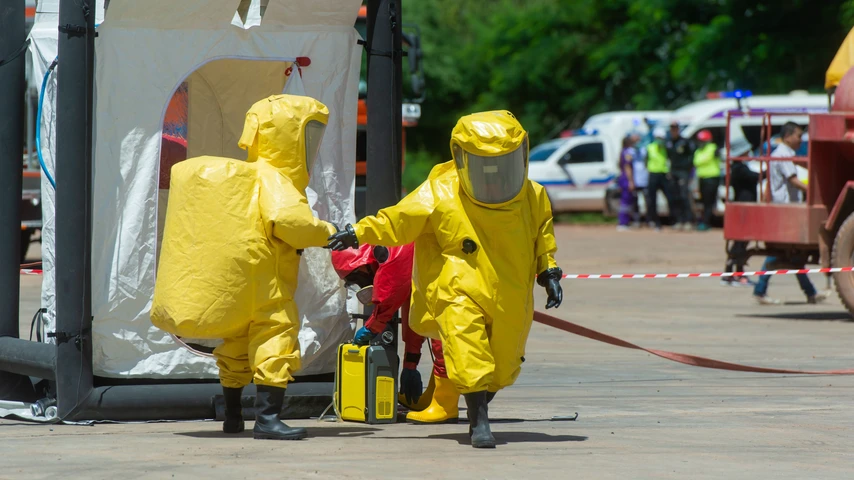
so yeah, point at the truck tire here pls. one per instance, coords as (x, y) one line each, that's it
(26, 236)
(842, 255)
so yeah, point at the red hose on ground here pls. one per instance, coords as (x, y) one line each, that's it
(693, 360)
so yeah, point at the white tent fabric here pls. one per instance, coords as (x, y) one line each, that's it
(42, 52)
(146, 49)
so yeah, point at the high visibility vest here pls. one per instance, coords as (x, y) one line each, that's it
(656, 161)
(706, 161)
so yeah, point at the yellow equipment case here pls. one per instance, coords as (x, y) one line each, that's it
(365, 384)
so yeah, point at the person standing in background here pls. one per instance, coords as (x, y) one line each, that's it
(680, 151)
(708, 167)
(744, 182)
(641, 176)
(628, 200)
(786, 188)
(658, 166)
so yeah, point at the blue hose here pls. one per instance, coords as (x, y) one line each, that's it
(39, 124)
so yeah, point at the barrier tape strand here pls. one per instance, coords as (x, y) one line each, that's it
(615, 276)
(683, 358)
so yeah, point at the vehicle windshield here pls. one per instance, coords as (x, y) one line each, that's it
(541, 153)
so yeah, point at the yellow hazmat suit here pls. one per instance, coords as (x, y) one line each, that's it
(479, 243)
(230, 259)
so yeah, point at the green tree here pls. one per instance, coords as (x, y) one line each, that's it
(555, 62)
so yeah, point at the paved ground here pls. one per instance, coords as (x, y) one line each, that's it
(640, 416)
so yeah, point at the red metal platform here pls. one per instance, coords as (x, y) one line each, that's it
(788, 223)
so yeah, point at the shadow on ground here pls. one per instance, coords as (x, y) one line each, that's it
(562, 418)
(812, 316)
(312, 432)
(503, 438)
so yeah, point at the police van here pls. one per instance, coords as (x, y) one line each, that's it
(747, 117)
(577, 169)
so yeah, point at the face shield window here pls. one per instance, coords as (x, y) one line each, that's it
(497, 179)
(458, 157)
(313, 136)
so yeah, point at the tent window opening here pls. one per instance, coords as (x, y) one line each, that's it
(206, 113)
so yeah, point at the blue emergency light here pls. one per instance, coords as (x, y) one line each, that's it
(737, 94)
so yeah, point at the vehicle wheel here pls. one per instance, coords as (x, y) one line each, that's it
(842, 255)
(26, 235)
(612, 203)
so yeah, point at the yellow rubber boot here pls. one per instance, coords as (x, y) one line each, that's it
(444, 406)
(423, 401)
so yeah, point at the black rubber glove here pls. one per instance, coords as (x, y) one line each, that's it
(550, 280)
(344, 239)
(410, 385)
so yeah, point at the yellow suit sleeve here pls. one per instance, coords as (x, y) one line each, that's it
(544, 245)
(400, 224)
(288, 217)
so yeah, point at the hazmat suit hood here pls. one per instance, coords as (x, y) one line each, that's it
(285, 131)
(345, 261)
(490, 151)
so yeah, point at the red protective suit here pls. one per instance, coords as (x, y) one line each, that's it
(392, 291)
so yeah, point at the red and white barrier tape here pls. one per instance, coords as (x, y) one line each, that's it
(604, 276)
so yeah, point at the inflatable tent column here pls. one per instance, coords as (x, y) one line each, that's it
(12, 83)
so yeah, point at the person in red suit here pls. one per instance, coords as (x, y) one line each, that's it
(389, 272)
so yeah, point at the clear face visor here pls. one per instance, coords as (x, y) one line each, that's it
(313, 136)
(493, 180)
(364, 295)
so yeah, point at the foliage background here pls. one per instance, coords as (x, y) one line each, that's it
(554, 63)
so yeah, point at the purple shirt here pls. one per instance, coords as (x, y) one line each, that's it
(627, 157)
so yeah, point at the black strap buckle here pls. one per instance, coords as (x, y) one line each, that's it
(76, 30)
(64, 337)
(382, 53)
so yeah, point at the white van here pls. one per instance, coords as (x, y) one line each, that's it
(711, 114)
(623, 123)
(577, 170)
(746, 124)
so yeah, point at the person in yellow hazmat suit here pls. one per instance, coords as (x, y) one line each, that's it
(230, 255)
(482, 233)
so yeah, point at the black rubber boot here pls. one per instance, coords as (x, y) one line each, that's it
(233, 410)
(268, 405)
(478, 414)
(489, 397)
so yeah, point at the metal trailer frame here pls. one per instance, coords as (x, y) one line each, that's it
(68, 364)
(788, 231)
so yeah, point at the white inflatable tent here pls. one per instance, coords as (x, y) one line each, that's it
(226, 60)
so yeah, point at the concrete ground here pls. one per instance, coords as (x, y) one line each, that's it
(639, 416)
